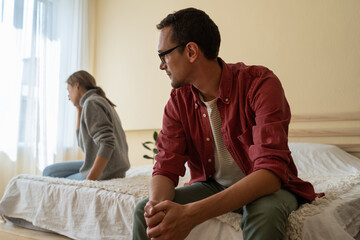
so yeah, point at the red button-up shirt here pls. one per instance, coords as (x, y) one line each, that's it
(254, 124)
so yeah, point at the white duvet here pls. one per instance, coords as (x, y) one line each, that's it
(103, 209)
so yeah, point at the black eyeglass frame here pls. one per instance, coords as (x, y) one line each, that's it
(162, 54)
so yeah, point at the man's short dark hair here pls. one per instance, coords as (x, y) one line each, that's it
(194, 25)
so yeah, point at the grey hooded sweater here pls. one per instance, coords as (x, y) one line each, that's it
(101, 134)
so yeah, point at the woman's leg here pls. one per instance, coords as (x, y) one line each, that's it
(76, 176)
(63, 169)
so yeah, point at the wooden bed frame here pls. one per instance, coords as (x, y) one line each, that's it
(340, 129)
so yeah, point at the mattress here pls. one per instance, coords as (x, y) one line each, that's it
(104, 209)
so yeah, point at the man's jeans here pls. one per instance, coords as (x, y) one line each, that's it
(264, 218)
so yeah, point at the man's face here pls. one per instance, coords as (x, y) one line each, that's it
(174, 62)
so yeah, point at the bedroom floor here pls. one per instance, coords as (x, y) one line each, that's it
(9, 231)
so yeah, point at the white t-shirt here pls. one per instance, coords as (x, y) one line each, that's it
(227, 172)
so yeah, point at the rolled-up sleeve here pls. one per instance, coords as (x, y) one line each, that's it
(270, 132)
(171, 144)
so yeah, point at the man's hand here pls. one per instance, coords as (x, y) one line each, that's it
(168, 220)
(152, 217)
(177, 220)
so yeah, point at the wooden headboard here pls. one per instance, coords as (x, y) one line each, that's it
(340, 129)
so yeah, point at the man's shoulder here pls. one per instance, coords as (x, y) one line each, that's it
(249, 69)
(248, 76)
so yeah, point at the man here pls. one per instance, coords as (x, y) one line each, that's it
(229, 123)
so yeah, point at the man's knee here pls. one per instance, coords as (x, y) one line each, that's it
(270, 221)
(268, 216)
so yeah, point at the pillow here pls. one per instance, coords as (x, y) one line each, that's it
(323, 159)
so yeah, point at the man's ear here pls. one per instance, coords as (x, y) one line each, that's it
(192, 51)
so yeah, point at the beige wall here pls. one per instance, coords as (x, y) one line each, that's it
(313, 47)
(135, 139)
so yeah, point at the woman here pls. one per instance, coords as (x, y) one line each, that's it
(99, 134)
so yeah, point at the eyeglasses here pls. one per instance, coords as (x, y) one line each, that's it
(162, 54)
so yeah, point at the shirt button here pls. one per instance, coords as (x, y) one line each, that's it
(208, 139)
(204, 115)
(226, 99)
(209, 160)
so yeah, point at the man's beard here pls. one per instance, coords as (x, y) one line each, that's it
(176, 84)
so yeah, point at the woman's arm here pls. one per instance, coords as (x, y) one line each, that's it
(97, 168)
(100, 129)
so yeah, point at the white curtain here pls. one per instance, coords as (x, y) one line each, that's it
(41, 43)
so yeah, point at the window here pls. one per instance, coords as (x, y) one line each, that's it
(37, 42)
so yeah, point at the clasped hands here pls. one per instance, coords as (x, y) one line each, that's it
(167, 220)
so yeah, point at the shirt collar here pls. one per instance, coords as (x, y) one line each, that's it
(225, 85)
(225, 82)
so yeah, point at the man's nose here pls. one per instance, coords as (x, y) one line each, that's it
(162, 65)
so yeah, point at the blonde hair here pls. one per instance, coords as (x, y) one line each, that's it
(87, 82)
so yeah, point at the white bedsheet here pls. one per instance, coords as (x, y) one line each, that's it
(103, 209)
(79, 210)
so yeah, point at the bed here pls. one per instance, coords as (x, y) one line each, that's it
(103, 209)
